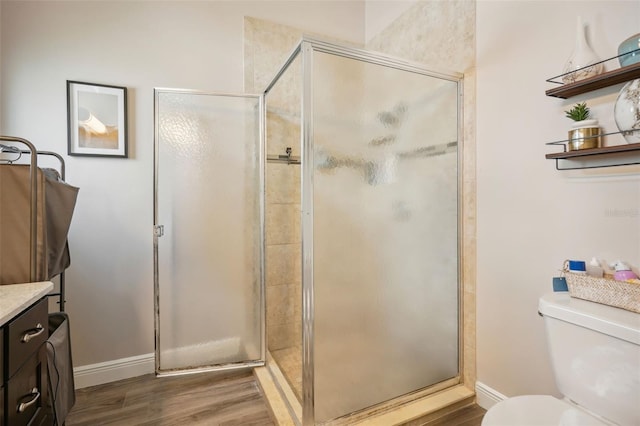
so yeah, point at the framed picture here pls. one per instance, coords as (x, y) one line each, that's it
(96, 120)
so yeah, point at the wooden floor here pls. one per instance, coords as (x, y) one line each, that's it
(468, 416)
(197, 399)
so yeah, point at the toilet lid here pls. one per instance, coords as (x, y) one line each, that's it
(537, 410)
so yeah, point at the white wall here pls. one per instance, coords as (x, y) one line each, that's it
(140, 45)
(530, 216)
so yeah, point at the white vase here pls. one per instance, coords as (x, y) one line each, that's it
(626, 111)
(585, 123)
(579, 65)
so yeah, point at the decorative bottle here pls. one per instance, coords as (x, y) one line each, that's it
(583, 61)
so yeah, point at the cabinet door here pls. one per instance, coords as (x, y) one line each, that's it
(25, 334)
(27, 391)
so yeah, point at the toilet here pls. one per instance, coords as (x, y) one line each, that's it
(595, 354)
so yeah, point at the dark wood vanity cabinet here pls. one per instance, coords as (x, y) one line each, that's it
(24, 366)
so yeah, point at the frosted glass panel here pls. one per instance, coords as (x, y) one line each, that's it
(385, 227)
(209, 257)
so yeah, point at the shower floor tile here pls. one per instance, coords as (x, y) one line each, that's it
(289, 361)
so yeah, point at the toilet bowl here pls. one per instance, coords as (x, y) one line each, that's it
(539, 410)
(595, 355)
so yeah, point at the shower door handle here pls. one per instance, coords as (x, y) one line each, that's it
(158, 230)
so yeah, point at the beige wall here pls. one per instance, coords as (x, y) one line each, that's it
(379, 14)
(530, 216)
(141, 45)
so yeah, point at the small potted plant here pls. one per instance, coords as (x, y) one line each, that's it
(585, 133)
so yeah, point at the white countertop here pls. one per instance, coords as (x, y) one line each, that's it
(15, 298)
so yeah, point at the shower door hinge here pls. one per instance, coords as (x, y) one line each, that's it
(158, 230)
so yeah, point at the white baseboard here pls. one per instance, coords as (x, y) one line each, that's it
(487, 397)
(111, 371)
(125, 368)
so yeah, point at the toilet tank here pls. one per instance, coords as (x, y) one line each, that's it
(595, 354)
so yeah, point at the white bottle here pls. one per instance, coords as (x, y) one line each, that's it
(594, 269)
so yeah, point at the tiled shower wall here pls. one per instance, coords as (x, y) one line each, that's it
(266, 47)
(283, 240)
(283, 256)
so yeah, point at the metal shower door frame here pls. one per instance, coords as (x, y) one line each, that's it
(158, 232)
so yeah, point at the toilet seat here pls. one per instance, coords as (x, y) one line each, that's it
(538, 410)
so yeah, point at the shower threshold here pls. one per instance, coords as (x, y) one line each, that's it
(432, 403)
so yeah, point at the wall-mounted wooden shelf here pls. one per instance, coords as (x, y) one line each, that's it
(618, 155)
(608, 156)
(609, 78)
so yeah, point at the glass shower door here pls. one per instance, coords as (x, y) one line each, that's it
(208, 228)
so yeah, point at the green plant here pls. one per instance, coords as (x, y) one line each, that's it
(579, 112)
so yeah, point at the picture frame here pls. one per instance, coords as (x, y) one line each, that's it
(96, 120)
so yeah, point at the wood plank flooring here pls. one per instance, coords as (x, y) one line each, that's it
(196, 399)
(467, 416)
(231, 399)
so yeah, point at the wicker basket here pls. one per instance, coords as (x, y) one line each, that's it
(620, 294)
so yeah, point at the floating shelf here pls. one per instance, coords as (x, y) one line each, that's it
(617, 155)
(609, 78)
(608, 156)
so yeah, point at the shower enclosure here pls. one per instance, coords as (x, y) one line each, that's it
(358, 253)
